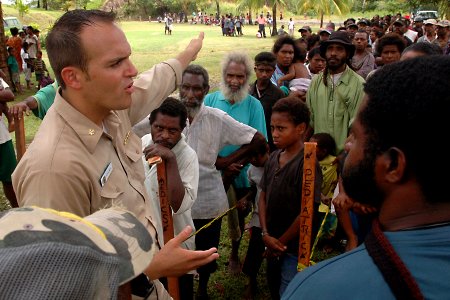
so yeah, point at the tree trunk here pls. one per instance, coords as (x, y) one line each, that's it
(38, 4)
(3, 52)
(45, 4)
(321, 18)
(274, 20)
(218, 9)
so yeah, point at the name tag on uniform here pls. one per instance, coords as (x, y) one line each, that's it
(106, 174)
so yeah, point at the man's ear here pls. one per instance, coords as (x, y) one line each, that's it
(394, 164)
(72, 77)
(206, 91)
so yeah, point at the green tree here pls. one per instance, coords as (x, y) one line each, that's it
(325, 7)
(22, 8)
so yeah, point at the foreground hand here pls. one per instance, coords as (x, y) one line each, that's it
(196, 44)
(273, 244)
(299, 95)
(342, 202)
(363, 209)
(158, 150)
(243, 204)
(17, 110)
(233, 170)
(173, 261)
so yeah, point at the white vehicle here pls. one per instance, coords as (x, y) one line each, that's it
(427, 14)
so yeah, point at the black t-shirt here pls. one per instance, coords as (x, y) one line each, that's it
(283, 188)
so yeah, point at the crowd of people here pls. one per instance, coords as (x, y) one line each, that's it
(25, 57)
(240, 150)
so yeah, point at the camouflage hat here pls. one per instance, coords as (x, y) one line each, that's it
(88, 257)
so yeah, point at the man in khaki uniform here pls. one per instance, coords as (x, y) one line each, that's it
(85, 156)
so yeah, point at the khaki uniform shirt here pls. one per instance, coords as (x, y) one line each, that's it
(76, 166)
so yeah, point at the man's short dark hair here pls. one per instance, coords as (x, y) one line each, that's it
(64, 46)
(365, 32)
(298, 111)
(14, 31)
(391, 39)
(198, 70)
(171, 107)
(425, 48)
(402, 108)
(266, 58)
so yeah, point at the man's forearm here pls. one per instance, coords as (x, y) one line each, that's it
(174, 185)
(242, 154)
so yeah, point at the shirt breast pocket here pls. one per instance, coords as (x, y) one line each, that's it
(133, 148)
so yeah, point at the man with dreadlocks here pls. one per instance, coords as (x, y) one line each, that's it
(335, 94)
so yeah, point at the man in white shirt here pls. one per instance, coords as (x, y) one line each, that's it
(208, 131)
(291, 26)
(166, 140)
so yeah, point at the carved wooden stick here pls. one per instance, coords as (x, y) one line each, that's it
(20, 137)
(307, 206)
(166, 218)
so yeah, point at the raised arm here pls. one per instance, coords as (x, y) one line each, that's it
(191, 51)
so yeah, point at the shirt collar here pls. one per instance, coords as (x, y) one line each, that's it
(88, 132)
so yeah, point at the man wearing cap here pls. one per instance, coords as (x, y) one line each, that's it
(430, 31)
(335, 94)
(352, 28)
(362, 24)
(400, 27)
(305, 31)
(324, 34)
(442, 36)
(418, 26)
(105, 251)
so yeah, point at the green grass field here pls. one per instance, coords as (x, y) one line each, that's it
(150, 46)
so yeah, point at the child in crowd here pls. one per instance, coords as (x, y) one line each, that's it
(255, 249)
(39, 68)
(25, 64)
(326, 155)
(13, 67)
(354, 218)
(281, 195)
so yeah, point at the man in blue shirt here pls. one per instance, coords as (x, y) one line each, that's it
(407, 253)
(234, 99)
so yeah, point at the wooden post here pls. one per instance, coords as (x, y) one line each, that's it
(167, 222)
(307, 206)
(20, 137)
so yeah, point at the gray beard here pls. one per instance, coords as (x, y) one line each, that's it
(193, 111)
(231, 96)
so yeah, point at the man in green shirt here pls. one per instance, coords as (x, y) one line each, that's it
(39, 103)
(335, 94)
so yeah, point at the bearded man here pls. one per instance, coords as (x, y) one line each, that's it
(234, 99)
(209, 130)
(335, 94)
